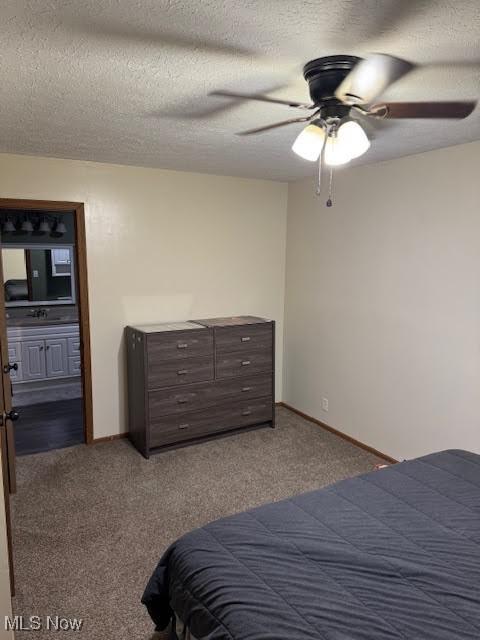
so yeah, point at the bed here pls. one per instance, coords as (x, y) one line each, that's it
(393, 554)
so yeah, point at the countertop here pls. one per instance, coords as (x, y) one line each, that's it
(40, 322)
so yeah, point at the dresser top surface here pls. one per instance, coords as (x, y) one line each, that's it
(167, 326)
(207, 323)
(232, 321)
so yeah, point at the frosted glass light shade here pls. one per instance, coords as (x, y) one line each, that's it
(349, 142)
(354, 138)
(336, 153)
(309, 143)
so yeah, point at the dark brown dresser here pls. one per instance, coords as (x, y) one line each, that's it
(189, 381)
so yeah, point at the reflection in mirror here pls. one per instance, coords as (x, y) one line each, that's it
(38, 276)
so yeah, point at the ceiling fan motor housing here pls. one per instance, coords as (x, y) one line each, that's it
(324, 75)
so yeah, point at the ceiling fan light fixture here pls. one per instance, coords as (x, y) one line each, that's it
(354, 137)
(345, 143)
(336, 152)
(309, 143)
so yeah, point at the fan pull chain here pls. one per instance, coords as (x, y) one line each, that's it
(329, 202)
(319, 177)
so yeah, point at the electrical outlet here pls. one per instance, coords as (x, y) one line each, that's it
(325, 404)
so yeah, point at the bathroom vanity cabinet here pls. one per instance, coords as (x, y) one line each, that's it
(44, 352)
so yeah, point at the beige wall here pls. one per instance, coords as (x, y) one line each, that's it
(383, 302)
(163, 245)
(13, 262)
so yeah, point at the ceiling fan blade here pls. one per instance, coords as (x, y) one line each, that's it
(152, 35)
(273, 126)
(365, 27)
(457, 110)
(204, 108)
(261, 98)
(370, 77)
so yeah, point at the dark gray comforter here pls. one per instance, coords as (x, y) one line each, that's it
(393, 554)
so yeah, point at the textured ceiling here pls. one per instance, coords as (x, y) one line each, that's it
(126, 81)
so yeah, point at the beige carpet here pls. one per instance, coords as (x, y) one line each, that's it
(90, 523)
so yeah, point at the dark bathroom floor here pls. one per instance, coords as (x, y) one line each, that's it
(49, 425)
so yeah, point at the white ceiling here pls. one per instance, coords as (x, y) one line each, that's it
(126, 81)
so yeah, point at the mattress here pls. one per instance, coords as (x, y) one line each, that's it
(393, 554)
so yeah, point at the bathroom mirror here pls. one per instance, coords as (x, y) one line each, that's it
(32, 277)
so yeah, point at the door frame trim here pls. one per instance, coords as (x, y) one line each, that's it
(78, 210)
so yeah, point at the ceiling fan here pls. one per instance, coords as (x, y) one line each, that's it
(342, 84)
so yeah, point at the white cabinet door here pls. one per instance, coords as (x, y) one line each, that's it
(33, 359)
(56, 357)
(74, 365)
(15, 357)
(74, 346)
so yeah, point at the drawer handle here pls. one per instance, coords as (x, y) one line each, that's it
(185, 425)
(246, 412)
(182, 372)
(182, 401)
(246, 339)
(244, 389)
(245, 363)
(182, 345)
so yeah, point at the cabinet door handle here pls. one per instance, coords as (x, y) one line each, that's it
(245, 339)
(48, 347)
(185, 425)
(246, 412)
(182, 401)
(182, 372)
(182, 345)
(41, 348)
(244, 389)
(245, 363)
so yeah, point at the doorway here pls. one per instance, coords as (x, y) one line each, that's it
(45, 322)
(65, 353)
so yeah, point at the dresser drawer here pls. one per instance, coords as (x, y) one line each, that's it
(180, 371)
(179, 344)
(199, 396)
(195, 424)
(242, 339)
(244, 364)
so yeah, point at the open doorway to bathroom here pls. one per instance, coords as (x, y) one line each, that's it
(46, 322)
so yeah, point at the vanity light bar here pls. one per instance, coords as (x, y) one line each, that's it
(41, 223)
